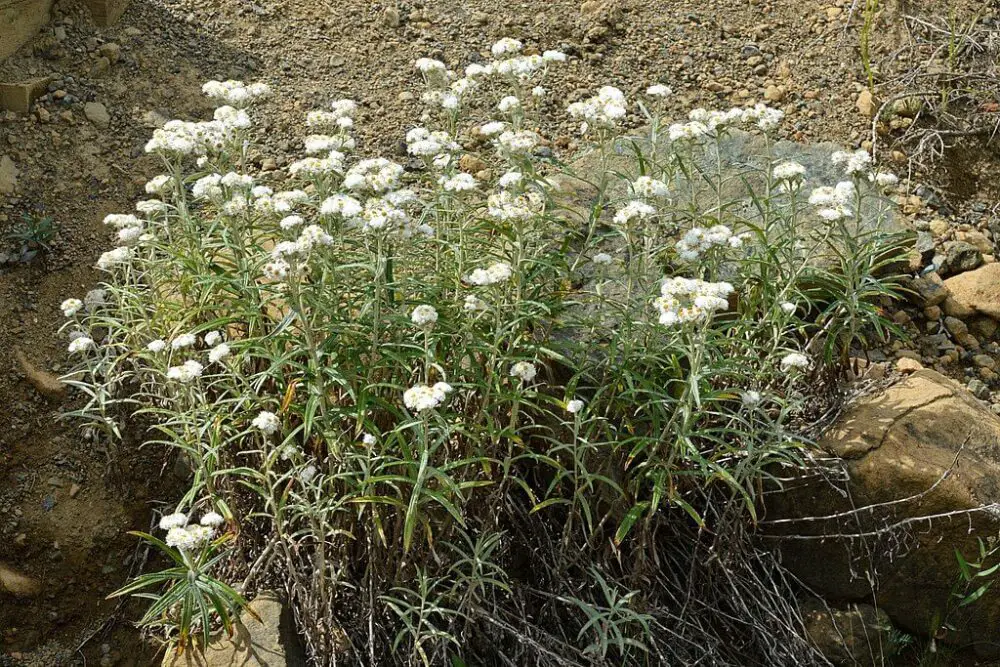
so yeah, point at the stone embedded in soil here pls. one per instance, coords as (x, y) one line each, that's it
(44, 382)
(267, 640)
(18, 96)
(8, 176)
(17, 584)
(97, 114)
(866, 103)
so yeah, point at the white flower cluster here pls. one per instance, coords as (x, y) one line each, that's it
(524, 370)
(373, 174)
(421, 142)
(497, 272)
(115, 257)
(647, 187)
(834, 203)
(855, 163)
(422, 397)
(424, 316)
(458, 183)
(81, 344)
(191, 537)
(506, 205)
(236, 93)
(602, 111)
(267, 422)
(634, 210)
(703, 122)
(795, 361)
(516, 142)
(788, 171)
(179, 137)
(698, 240)
(318, 166)
(186, 373)
(690, 300)
(71, 307)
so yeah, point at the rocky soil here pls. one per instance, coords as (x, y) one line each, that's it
(77, 156)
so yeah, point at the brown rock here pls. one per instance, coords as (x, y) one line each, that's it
(17, 584)
(19, 21)
(774, 93)
(471, 164)
(44, 382)
(932, 312)
(8, 176)
(264, 638)
(925, 447)
(907, 365)
(866, 104)
(19, 96)
(974, 292)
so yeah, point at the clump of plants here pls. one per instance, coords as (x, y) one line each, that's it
(455, 424)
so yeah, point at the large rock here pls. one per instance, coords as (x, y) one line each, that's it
(923, 448)
(269, 641)
(974, 293)
(19, 21)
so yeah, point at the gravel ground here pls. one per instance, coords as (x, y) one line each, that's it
(79, 157)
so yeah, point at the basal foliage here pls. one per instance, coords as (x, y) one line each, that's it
(457, 419)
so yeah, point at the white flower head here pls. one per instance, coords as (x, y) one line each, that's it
(182, 341)
(789, 171)
(219, 352)
(603, 259)
(474, 304)
(213, 338)
(175, 520)
(509, 103)
(495, 273)
(369, 439)
(574, 406)
(492, 128)
(751, 398)
(659, 90)
(788, 307)
(113, 258)
(212, 519)
(505, 46)
(71, 307)
(525, 370)
(796, 361)
(267, 422)
(189, 538)
(421, 397)
(424, 316)
(81, 344)
(156, 346)
(459, 183)
(187, 372)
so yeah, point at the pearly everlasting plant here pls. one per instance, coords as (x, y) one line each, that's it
(266, 326)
